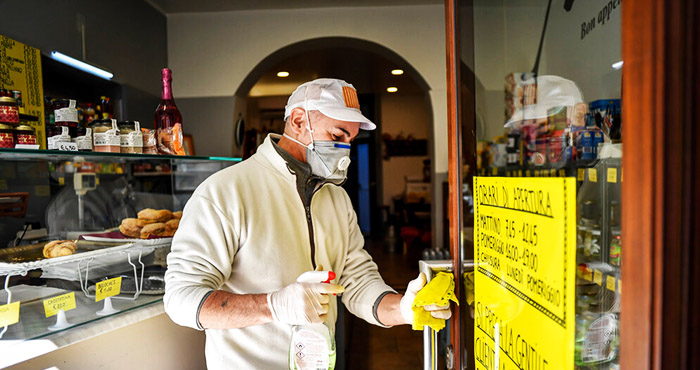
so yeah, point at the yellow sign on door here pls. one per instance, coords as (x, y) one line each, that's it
(9, 314)
(525, 232)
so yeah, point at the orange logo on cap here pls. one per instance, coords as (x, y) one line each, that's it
(350, 96)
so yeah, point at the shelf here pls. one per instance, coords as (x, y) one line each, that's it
(57, 155)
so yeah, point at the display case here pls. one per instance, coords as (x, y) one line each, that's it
(83, 197)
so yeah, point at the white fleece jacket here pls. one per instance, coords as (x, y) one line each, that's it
(244, 231)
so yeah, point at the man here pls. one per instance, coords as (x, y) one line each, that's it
(250, 230)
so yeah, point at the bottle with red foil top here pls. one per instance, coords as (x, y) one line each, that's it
(168, 120)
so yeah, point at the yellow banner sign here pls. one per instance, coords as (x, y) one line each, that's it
(9, 314)
(108, 288)
(20, 70)
(64, 302)
(525, 232)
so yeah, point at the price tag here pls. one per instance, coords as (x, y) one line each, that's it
(597, 277)
(612, 175)
(588, 274)
(610, 283)
(494, 171)
(593, 175)
(553, 173)
(527, 173)
(562, 173)
(108, 288)
(537, 173)
(64, 302)
(67, 146)
(9, 314)
(520, 173)
(61, 180)
(581, 174)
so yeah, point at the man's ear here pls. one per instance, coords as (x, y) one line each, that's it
(297, 121)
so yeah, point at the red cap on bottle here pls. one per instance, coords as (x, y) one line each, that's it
(167, 74)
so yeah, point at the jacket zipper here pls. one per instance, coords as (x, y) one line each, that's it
(309, 222)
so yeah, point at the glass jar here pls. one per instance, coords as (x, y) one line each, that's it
(131, 138)
(149, 141)
(55, 135)
(66, 114)
(105, 136)
(25, 135)
(9, 111)
(83, 139)
(7, 137)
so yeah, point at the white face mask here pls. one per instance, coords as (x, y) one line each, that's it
(328, 159)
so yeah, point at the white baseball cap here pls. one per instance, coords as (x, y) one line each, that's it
(334, 98)
(553, 93)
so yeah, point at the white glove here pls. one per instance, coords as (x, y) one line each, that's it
(301, 303)
(406, 304)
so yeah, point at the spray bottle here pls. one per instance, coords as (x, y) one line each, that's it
(313, 345)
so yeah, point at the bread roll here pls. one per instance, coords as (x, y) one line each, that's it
(156, 229)
(58, 248)
(131, 227)
(151, 215)
(177, 215)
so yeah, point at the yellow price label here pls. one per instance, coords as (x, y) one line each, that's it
(108, 288)
(527, 173)
(61, 180)
(597, 277)
(581, 174)
(562, 173)
(520, 173)
(537, 172)
(612, 175)
(588, 274)
(610, 283)
(619, 286)
(63, 302)
(9, 314)
(553, 173)
(593, 175)
(494, 171)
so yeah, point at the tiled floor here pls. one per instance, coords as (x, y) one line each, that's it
(371, 347)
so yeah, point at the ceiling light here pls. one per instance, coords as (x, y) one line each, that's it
(65, 59)
(282, 74)
(617, 65)
(392, 89)
(397, 72)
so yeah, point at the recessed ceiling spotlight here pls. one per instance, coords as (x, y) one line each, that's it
(392, 89)
(283, 74)
(397, 72)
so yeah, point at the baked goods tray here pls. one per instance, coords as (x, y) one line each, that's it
(9, 268)
(116, 236)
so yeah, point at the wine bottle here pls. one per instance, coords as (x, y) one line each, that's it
(168, 120)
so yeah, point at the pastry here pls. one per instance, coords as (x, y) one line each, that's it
(153, 215)
(172, 225)
(58, 248)
(177, 215)
(131, 227)
(156, 229)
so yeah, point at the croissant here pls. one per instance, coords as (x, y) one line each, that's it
(58, 248)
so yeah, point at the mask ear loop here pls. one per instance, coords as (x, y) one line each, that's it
(308, 121)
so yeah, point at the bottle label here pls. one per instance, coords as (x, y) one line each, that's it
(9, 113)
(54, 141)
(107, 138)
(7, 140)
(28, 139)
(84, 142)
(310, 349)
(132, 139)
(599, 345)
(66, 115)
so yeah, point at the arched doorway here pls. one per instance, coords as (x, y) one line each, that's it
(261, 97)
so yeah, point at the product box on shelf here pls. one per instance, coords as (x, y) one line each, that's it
(606, 115)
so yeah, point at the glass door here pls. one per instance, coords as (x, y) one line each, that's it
(538, 101)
